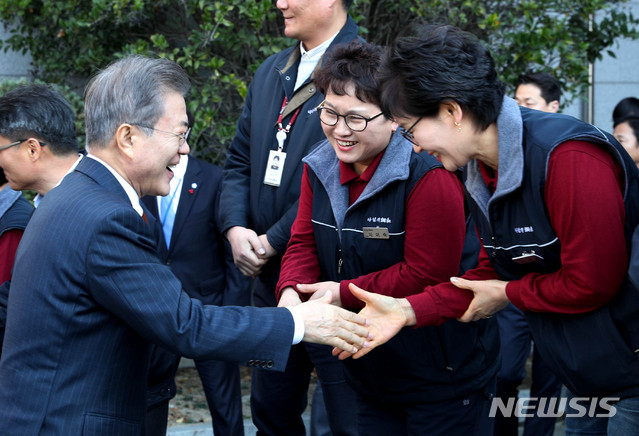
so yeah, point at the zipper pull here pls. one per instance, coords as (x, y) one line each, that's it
(340, 262)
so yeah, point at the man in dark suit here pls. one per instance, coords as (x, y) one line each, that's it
(201, 258)
(89, 294)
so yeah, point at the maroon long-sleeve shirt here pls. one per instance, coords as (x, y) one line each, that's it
(435, 229)
(583, 196)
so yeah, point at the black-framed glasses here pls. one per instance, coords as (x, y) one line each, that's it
(18, 142)
(182, 137)
(408, 133)
(356, 123)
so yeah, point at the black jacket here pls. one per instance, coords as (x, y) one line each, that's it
(246, 201)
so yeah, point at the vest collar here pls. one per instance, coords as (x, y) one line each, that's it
(510, 129)
(393, 166)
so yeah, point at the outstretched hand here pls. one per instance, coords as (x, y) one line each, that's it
(490, 297)
(327, 324)
(386, 317)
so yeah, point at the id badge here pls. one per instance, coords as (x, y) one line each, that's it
(375, 233)
(274, 168)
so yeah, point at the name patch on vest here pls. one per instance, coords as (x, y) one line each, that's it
(527, 258)
(375, 232)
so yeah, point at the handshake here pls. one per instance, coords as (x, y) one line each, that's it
(351, 334)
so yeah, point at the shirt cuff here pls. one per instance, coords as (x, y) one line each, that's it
(299, 325)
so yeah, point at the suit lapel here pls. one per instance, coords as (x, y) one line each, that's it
(190, 189)
(151, 203)
(102, 176)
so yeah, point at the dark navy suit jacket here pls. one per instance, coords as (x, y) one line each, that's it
(199, 256)
(88, 296)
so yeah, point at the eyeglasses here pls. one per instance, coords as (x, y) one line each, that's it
(182, 136)
(408, 133)
(356, 123)
(18, 142)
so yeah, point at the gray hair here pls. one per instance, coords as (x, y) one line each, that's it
(130, 90)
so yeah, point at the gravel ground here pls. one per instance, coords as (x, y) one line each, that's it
(189, 405)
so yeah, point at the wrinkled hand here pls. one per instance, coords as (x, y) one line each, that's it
(318, 290)
(248, 251)
(490, 297)
(289, 297)
(331, 325)
(386, 317)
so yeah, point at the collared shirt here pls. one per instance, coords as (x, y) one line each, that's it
(175, 185)
(356, 182)
(130, 192)
(309, 60)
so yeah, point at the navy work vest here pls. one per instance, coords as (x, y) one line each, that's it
(591, 352)
(427, 364)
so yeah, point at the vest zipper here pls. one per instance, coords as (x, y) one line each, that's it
(340, 261)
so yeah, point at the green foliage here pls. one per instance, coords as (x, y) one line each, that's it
(555, 36)
(221, 43)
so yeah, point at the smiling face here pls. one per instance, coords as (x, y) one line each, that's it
(356, 148)
(441, 137)
(154, 155)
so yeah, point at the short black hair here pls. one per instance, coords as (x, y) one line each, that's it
(625, 109)
(39, 111)
(547, 83)
(354, 63)
(440, 63)
(347, 4)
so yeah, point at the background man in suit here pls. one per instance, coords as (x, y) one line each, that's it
(197, 253)
(540, 91)
(44, 151)
(259, 203)
(37, 126)
(78, 333)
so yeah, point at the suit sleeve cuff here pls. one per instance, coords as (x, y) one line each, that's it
(299, 325)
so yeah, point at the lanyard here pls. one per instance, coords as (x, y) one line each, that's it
(282, 132)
